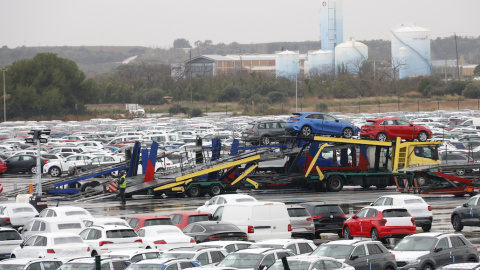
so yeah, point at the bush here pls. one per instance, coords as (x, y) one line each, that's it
(321, 107)
(196, 112)
(472, 90)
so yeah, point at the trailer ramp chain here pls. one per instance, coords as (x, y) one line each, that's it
(244, 174)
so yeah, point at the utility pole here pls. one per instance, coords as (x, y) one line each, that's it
(4, 97)
(456, 49)
(445, 67)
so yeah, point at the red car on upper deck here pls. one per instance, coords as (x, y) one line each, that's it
(384, 129)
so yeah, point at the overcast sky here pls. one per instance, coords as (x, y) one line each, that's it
(157, 23)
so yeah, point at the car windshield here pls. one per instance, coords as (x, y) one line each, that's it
(68, 240)
(369, 123)
(11, 266)
(177, 255)
(152, 222)
(334, 251)
(121, 233)
(241, 260)
(297, 212)
(297, 265)
(146, 267)
(415, 244)
(22, 210)
(76, 213)
(319, 210)
(260, 245)
(221, 227)
(77, 266)
(245, 200)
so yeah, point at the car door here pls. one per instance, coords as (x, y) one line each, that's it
(13, 164)
(375, 256)
(467, 210)
(367, 222)
(405, 129)
(356, 228)
(39, 247)
(24, 251)
(331, 125)
(267, 261)
(359, 259)
(459, 249)
(442, 252)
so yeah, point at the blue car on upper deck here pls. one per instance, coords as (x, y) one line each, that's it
(316, 123)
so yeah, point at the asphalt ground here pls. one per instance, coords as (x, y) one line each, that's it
(350, 198)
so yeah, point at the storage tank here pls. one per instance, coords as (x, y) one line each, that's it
(350, 55)
(411, 50)
(287, 64)
(321, 62)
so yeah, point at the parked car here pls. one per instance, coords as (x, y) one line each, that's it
(316, 123)
(255, 258)
(263, 132)
(138, 222)
(133, 255)
(384, 129)
(311, 263)
(457, 159)
(24, 163)
(211, 205)
(361, 254)
(416, 206)
(16, 214)
(182, 219)
(297, 246)
(30, 264)
(9, 239)
(105, 221)
(204, 231)
(432, 250)
(164, 237)
(65, 212)
(164, 264)
(89, 264)
(101, 239)
(380, 222)
(229, 245)
(327, 218)
(461, 266)
(50, 225)
(468, 214)
(301, 221)
(3, 166)
(52, 245)
(59, 167)
(206, 256)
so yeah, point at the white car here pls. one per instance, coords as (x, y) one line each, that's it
(9, 239)
(52, 245)
(105, 221)
(30, 264)
(17, 214)
(65, 212)
(312, 263)
(415, 205)
(229, 246)
(48, 225)
(211, 205)
(57, 168)
(164, 237)
(297, 246)
(134, 255)
(102, 239)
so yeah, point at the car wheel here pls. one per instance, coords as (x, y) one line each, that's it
(215, 190)
(427, 266)
(33, 169)
(422, 136)
(374, 235)
(193, 191)
(335, 183)
(89, 186)
(457, 223)
(389, 267)
(382, 137)
(13, 256)
(339, 233)
(347, 133)
(306, 131)
(55, 171)
(472, 259)
(265, 140)
(346, 233)
(421, 181)
(426, 227)
(460, 172)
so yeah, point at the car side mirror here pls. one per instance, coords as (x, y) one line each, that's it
(437, 249)
(263, 267)
(354, 217)
(371, 204)
(353, 257)
(20, 229)
(214, 218)
(210, 217)
(465, 205)
(207, 203)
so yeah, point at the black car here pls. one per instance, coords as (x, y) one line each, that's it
(204, 231)
(23, 163)
(361, 254)
(326, 217)
(432, 250)
(468, 214)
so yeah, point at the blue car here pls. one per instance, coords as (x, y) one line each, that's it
(307, 124)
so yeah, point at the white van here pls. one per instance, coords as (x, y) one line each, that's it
(260, 220)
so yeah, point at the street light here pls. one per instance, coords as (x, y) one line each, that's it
(4, 97)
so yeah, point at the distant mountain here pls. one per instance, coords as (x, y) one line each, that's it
(95, 60)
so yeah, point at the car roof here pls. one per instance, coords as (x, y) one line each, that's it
(57, 219)
(24, 261)
(433, 234)
(190, 213)
(111, 227)
(259, 250)
(283, 241)
(128, 252)
(150, 217)
(57, 234)
(349, 242)
(222, 243)
(385, 207)
(7, 229)
(402, 196)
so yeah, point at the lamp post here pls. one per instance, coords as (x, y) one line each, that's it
(4, 97)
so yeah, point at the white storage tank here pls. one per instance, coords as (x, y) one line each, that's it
(411, 50)
(287, 64)
(350, 55)
(321, 62)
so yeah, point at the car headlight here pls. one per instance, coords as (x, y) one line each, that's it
(416, 261)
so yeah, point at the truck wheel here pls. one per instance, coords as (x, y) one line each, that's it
(55, 171)
(335, 183)
(215, 190)
(194, 191)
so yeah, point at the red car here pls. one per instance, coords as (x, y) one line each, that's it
(144, 221)
(384, 129)
(182, 219)
(3, 166)
(380, 222)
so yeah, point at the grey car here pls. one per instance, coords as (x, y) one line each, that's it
(301, 221)
(361, 254)
(457, 159)
(432, 250)
(263, 132)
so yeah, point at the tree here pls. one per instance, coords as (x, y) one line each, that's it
(472, 90)
(181, 43)
(476, 71)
